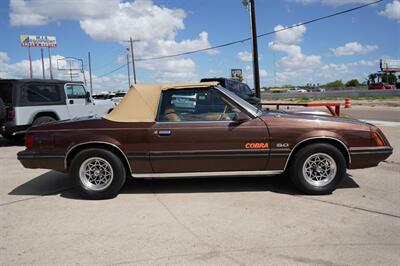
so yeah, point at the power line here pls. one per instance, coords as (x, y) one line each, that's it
(248, 39)
(112, 71)
(263, 34)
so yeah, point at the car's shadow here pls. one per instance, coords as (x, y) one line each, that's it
(54, 183)
(7, 143)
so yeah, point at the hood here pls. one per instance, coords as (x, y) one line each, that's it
(310, 116)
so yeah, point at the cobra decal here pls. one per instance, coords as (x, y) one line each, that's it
(256, 145)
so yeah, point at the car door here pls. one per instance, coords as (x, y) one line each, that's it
(200, 135)
(77, 102)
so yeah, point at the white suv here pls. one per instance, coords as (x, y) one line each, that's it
(28, 102)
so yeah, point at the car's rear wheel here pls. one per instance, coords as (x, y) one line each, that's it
(97, 174)
(41, 120)
(317, 169)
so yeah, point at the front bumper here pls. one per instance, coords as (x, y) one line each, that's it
(30, 159)
(365, 157)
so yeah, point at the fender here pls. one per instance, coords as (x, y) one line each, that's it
(323, 137)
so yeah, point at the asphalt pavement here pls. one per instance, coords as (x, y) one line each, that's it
(243, 221)
(378, 113)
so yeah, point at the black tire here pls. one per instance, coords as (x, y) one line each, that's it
(2, 110)
(86, 189)
(41, 120)
(314, 187)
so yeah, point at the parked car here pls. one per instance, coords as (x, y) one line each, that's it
(279, 90)
(118, 97)
(240, 88)
(317, 89)
(296, 89)
(147, 136)
(28, 102)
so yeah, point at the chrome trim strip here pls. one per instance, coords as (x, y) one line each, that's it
(322, 137)
(207, 174)
(195, 122)
(95, 142)
(370, 149)
(254, 115)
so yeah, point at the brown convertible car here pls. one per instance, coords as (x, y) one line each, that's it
(201, 130)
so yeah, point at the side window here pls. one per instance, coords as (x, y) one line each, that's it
(41, 94)
(75, 91)
(195, 105)
(245, 89)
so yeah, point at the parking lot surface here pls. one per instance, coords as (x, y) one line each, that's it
(242, 221)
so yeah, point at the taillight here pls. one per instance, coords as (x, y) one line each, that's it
(11, 114)
(29, 141)
(378, 139)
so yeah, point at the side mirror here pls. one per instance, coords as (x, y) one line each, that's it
(87, 97)
(240, 117)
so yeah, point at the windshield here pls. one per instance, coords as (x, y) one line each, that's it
(249, 107)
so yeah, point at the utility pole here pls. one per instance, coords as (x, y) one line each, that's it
(129, 72)
(90, 74)
(30, 61)
(133, 61)
(256, 72)
(41, 54)
(51, 70)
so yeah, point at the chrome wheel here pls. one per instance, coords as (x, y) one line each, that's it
(319, 169)
(96, 173)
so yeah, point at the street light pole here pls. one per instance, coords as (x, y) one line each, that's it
(256, 72)
(90, 74)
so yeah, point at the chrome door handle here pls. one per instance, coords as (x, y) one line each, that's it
(164, 132)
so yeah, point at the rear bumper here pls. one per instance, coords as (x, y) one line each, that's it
(30, 159)
(10, 128)
(365, 157)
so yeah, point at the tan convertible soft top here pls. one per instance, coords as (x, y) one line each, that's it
(140, 104)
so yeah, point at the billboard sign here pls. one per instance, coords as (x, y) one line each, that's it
(236, 74)
(390, 65)
(38, 41)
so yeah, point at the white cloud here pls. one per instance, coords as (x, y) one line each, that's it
(245, 56)
(297, 68)
(290, 36)
(287, 41)
(41, 12)
(116, 20)
(263, 73)
(353, 48)
(392, 10)
(177, 70)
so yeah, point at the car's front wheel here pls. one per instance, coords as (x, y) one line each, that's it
(97, 174)
(317, 169)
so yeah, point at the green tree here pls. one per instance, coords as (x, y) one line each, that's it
(352, 83)
(334, 84)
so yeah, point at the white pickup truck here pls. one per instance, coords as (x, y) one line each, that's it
(27, 102)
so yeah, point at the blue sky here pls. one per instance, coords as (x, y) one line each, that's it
(344, 47)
